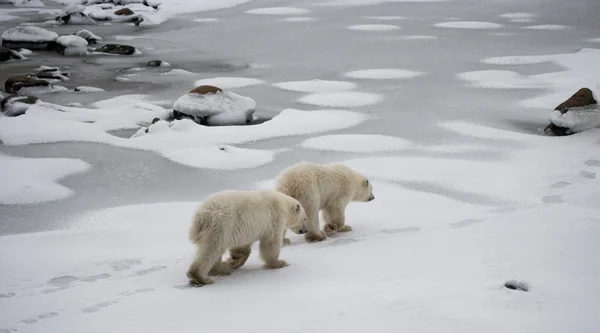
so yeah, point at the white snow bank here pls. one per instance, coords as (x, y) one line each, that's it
(500, 79)
(316, 85)
(374, 27)
(298, 19)
(178, 71)
(222, 157)
(520, 17)
(552, 27)
(383, 74)
(468, 25)
(74, 45)
(206, 20)
(221, 108)
(27, 3)
(229, 82)
(582, 70)
(278, 11)
(577, 119)
(29, 34)
(341, 99)
(34, 180)
(356, 143)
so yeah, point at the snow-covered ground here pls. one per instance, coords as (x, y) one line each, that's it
(440, 103)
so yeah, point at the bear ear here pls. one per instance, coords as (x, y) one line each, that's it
(366, 182)
(297, 208)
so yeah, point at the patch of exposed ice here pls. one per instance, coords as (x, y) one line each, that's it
(595, 40)
(383, 74)
(502, 79)
(27, 3)
(468, 25)
(341, 99)
(335, 3)
(357, 143)
(278, 11)
(38, 91)
(229, 82)
(121, 37)
(374, 27)
(35, 180)
(552, 27)
(316, 85)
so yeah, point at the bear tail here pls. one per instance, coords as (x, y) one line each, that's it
(196, 229)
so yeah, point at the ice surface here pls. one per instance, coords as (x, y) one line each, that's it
(178, 71)
(28, 3)
(85, 89)
(595, 40)
(374, 27)
(29, 34)
(547, 27)
(34, 180)
(341, 99)
(222, 108)
(357, 143)
(206, 19)
(385, 18)
(468, 25)
(383, 74)
(316, 85)
(519, 17)
(229, 82)
(373, 2)
(500, 79)
(278, 11)
(38, 91)
(298, 19)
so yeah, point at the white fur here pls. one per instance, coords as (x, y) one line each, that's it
(327, 187)
(234, 220)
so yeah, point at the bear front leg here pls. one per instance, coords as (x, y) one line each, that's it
(238, 256)
(221, 268)
(335, 219)
(270, 247)
(286, 241)
(313, 232)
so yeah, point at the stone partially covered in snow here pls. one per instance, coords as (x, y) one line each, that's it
(27, 3)
(578, 113)
(124, 11)
(158, 63)
(84, 89)
(71, 45)
(15, 83)
(121, 15)
(30, 37)
(88, 36)
(209, 105)
(118, 49)
(74, 14)
(51, 74)
(8, 54)
(15, 105)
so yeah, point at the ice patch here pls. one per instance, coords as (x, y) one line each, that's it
(374, 27)
(178, 71)
(298, 19)
(356, 143)
(316, 85)
(552, 27)
(500, 79)
(206, 20)
(229, 82)
(468, 25)
(341, 99)
(34, 180)
(485, 132)
(126, 37)
(278, 11)
(383, 74)
(519, 17)
(335, 3)
(385, 18)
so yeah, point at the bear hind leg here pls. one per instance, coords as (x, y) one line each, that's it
(313, 232)
(238, 256)
(206, 258)
(335, 220)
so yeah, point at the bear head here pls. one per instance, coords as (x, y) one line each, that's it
(364, 191)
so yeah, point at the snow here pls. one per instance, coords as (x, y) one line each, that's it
(206, 20)
(29, 34)
(374, 27)
(357, 143)
(73, 42)
(278, 11)
(374, 2)
(552, 27)
(178, 71)
(501, 79)
(35, 180)
(221, 157)
(221, 108)
(28, 3)
(229, 82)
(298, 19)
(577, 119)
(385, 18)
(468, 25)
(316, 85)
(383, 74)
(86, 89)
(341, 99)
(519, 17)
(14, 106)
(38, 91)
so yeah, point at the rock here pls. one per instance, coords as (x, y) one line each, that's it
(85, 89)
(28, 3)
(153, 3)
(124, 11)
(117, 49)
(30, 37)
(88, 36)
(158, 63)
(74, 14)
(51, 74)
(15, 105)
(209, 105)
(578, 113)
(16, 83)
(71, 45)
(517, 285)
(8, 54)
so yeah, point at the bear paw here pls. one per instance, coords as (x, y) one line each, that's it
(199, 280)
(277, 264)
(286, 241)
(221, 268)
(345, 228)
(330, 229)
(313, 237)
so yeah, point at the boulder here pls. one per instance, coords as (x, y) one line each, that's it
(15, 105)
(16, 83)
(210, 105)
(88, 36)
(124, 11)
(578, 113)
(30, 37)
(8, 54)
(158, 63)
(117, 49)
(71, 45)
(51, 74)
(74, 14)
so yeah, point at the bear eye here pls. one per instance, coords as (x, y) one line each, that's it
(366, 182)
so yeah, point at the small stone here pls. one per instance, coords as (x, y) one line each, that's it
(155, 120)
(15, 105)
(124, 12)
(16, 83)
(582, 97)
(117, 49)
(516, 285)
(8, 54)
(155, 63)
(202, 90)
(51, 73)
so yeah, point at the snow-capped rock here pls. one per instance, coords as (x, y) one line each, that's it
(71, 45)
(16, 105)
(8, 54)
(74, 14)
(88, 36)
(30, 37)
(209, 105)
(578, 113)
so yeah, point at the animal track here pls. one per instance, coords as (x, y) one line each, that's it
(595, 163)
(8, 295)
(588, 175)
(550, 199)
(40, 317)
(560, 184)
(63, 281)
(98, 306)
(343, 241)
(465, 223)
(135, 292)
(400, 230)
(123, 265)
(7, 330)
(150, 270)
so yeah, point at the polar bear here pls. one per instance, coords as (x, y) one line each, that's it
(234, 220)
(327, 187)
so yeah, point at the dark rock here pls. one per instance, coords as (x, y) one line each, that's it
(52, 73)
(583, 97)
(16, 83)
(88, 36)
(124, 12)
(8, 54)
(202, 90)
(15, 105)
(155, 120)
(117, 49)
(552, 129)
(517, 285)
(154, 63)
(29, 37)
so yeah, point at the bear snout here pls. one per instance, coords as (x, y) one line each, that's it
(372, 197)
